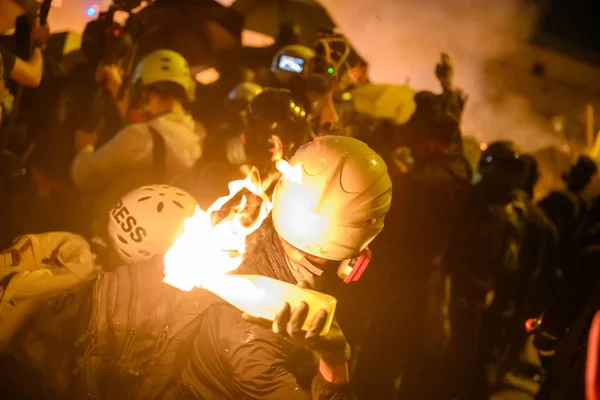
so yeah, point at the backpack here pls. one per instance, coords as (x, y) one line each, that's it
(103, 203)
(137, 333)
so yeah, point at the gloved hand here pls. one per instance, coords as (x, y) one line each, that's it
(332, 348)
(74, 254)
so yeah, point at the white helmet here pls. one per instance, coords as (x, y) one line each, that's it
(335, 204)
(295, 51)
(165, 66)
(147, 221)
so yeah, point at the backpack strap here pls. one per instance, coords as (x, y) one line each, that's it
(159, 153)
(123, 362)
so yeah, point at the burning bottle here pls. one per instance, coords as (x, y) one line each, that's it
(213, 244)
(263, 297)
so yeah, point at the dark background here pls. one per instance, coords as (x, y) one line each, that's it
(576, 22)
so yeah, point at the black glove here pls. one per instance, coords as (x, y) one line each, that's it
(332, 348)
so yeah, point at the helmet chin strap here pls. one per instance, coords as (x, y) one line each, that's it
(301, 268)
(303, 261)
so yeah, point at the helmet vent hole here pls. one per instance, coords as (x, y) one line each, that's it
(178, 204)
(144, 198)
(161, 194)
(144, 253)
(165, 68)
(160, 206)
(122, 239)
(148, 188)
(179, 194)
(125, 254)
(165, 187)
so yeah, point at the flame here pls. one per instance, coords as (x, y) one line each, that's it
(208, 249)
(294, 174)
(277, 149)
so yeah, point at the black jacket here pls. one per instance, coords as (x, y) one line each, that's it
(233, 359)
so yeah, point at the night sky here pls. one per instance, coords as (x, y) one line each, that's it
(575, 21)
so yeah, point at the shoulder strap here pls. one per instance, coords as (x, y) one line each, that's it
(159, 152)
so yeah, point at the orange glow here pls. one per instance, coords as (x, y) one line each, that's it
(294, 174)
(205, 250)
(483, 146)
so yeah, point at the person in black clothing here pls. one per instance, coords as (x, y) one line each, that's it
(24, 72)
(567, 208)
(562, 336)
(493, 263)
(272, 120)
(575, 222)
(322, 221)
(399, 332)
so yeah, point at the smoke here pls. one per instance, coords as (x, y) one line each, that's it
(402, 41)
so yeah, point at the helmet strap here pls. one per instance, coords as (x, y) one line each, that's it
(300, 266)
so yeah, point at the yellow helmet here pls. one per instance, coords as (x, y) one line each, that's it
(333, 201)
(165, 66)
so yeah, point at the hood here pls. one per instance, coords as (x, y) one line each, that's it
(182, 135)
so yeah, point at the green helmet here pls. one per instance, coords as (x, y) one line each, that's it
(165, 66)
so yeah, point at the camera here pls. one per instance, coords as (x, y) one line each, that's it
(291, 64)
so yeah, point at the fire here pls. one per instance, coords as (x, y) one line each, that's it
(294, 173)
(206, 249)
(213, 242)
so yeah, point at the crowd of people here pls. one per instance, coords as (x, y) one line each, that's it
(468, 271)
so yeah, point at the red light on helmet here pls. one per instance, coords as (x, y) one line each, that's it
(352, 270)
(529, 324)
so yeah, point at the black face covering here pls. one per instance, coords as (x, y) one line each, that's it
(265, 255)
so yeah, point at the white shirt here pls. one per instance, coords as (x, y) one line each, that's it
(132, 149)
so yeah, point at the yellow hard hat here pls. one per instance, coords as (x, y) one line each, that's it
(166, 66)
(335, 203)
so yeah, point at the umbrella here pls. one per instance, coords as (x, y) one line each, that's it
(267, 16)
(200, 30)
(388, 101)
